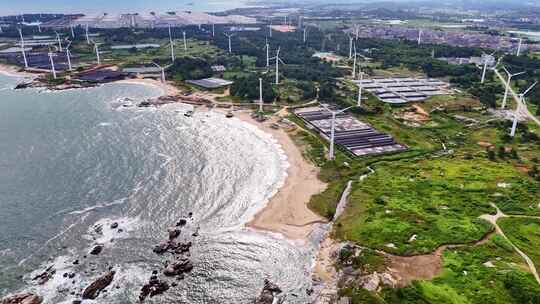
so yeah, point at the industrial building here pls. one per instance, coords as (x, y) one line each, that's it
(357, 137)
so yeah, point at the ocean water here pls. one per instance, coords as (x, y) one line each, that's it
(74, 160)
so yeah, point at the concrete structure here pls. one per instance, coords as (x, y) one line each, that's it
(211, 83)
(357, 137)
(398, 90)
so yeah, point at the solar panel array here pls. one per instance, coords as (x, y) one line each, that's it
(357, 137)
(404, 89)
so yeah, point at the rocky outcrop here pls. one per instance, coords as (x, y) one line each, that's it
(45, 276)
(93, 290)
(270, 290)
(178, 267)
(153, 288)
(96, 250)
(22, 298)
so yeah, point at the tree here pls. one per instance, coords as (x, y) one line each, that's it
(190, 68)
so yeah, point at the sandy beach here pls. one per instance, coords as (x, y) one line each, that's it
(287, 212)
(168, 89)
(11, 70)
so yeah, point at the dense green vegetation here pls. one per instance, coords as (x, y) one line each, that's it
(525, 234)
(488, 273)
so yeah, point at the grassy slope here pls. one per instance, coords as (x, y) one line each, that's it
(525, 234)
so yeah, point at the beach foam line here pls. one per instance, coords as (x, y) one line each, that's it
(119, 201)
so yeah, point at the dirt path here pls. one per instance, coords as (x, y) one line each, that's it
(493, 220)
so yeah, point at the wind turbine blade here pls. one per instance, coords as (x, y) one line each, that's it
(520, 73)
(530, 88)
(506, 70)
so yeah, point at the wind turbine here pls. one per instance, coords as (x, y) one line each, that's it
(72, 31)
(354, 63)
(229, 36)
(68, 56)
(270, 29)
(1, 30)
(357, 31)
(172, 44)
(520, 104)
(267, 53)
(277, 64)
(185, 42)
(162, 72)
(518, 53)
(59, 42)
(213, 30)
(510, 75)
(333, 128)
(484, 70)
(53, 70)
(419, 37)
(96, 49)
(260, 95)
(360, 87)
(305, 34)
(22, 49)
(350, 46)
(87, 36)
(39, 27)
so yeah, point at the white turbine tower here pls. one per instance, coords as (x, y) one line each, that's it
(333, 129)
(87, 36)
(520, 105)
(53, 70)
(354, 63)
(485, 62)
(267, 46)
(213, 30)
(68, 56)
(278, 60)
(22, 49)
(360, 86)
(350, 46)
(172, 44)
(96, 49)
(305, 34)
(229, 36)
(162, 72)
(185, 41)
(510, 75)
(419, 37)
(518, 53)
(1, 30)
(39, 27)
(72, 31)
(59, 42)
(270, 29)
(260, 95)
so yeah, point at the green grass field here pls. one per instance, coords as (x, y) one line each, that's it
(525, 234)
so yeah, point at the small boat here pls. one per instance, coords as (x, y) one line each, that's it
(229, 114)
(188, 113)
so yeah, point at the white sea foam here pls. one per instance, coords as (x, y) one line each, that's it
(100, 206)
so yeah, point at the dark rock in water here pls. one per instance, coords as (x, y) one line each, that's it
(190, 215)
(178, 267)
(98, 229)
(96, 250)
(154, 272)
(120, 230)
(93, 290)
(76, 302)
(45, 276)
(76, 262)
(267, 294)
(180, 248)
(114, 225)
(181, 222)
(153, 288)
(22, 298)
(173, 233)
(161, 247)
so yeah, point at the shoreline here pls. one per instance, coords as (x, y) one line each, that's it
(287, 212)
(167, 88)
(14, 71)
